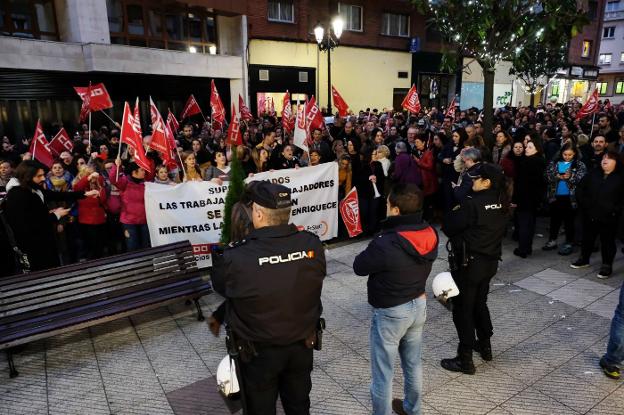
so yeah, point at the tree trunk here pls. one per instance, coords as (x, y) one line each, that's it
(488, 104)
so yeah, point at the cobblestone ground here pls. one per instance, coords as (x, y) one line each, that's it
(551, 326)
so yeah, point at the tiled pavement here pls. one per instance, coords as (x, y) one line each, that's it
(551, 325)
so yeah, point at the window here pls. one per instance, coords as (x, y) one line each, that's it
(162, 25)
(619, 87)
(587, 44)
(395, 25)
(281, 11)
(352, 16)
(608, 32)
(604, 59)
(613, 6)
(555, 90)
(622, 57)
(33, 19)
(601, 87)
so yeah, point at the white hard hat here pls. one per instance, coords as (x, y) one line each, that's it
(444, 287)
(227, 382)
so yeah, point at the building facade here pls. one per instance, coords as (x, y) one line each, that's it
(162, 49)
(611, 57)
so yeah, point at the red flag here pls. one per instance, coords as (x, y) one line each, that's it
(86, 102)
(261, 105)
(137, 120)
(171, 161)
(173, 124)
(39, 147)
(411, 101)
(245, 113)
(132, 138)
(288, 122)
(271, 109)
(314, 118)
(159, 142)
(61, 142)
(191, 108)
(350, 213)
(98, 99)
(301, 135)
(234, 136)
(590, 107)
(216, 106)
(339, 103)
(450, 112)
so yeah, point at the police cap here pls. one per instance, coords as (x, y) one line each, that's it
(269, 195)
(489, 171)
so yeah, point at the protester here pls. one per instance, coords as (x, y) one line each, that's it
(6, 173)
(219, 171)
(162, 176)
(31, 221)
(612, 361)
(398, 263)
(601, 197)
(131, 186)
(563, 175)
(191, 170)
(92, 211)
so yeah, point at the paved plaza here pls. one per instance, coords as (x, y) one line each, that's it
(551, 325)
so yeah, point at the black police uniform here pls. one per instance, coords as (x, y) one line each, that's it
(272, 282)
(476, 229)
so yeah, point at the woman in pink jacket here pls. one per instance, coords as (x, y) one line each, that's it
(132, 191)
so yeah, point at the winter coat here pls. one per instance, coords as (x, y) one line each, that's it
(500, 153)
(406, 170)
(601, 196)
(577, 172)
(426, 163)
(32, 223)
(398, 261)
(91, 210)
(530, 183)
(448, 170)
(132, 198)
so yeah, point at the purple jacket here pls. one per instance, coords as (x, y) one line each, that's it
(406, 170)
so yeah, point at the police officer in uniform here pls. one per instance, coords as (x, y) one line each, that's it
(475, 229)
(272, 282)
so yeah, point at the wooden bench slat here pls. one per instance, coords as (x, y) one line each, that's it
(112, 261)
(128, 299)
(78, 325)
(65, 297)
(174, 263)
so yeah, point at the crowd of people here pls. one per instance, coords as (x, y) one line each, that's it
(554, 163)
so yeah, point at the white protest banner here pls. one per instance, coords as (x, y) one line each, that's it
(188, 211)
(314, 195)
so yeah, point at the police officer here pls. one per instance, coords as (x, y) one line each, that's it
(272, 282)
(475, 229)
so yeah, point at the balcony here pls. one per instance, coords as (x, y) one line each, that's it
(611, 15)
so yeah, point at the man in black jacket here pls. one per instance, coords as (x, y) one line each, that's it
(272, 282)
(398, 262)
(476, 229)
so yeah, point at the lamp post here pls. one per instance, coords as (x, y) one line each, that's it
(327, 41)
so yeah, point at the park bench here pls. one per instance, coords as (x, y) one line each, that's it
(45, 303)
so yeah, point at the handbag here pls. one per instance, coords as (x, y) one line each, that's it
(22, 263)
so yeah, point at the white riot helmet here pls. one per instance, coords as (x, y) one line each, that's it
(227, 382)
(444, 287)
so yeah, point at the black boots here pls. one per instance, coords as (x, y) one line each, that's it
(462, 363)
(484, 348)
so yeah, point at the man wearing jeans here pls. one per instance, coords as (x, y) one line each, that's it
(398, 262)
(611, 363)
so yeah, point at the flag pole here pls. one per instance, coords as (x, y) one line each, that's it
(115, 123)
(591, 132)
(89, 131)
(119, 157)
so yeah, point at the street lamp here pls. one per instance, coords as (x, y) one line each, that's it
(328, 40)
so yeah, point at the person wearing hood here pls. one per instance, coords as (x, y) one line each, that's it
(476, 229)
(30, 219)
(398, 262)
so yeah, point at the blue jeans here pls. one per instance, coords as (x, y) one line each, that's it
(397, 329)
(615, 349)
(137, 237)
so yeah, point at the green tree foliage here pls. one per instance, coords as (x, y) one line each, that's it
(490, 31)
(234, 194)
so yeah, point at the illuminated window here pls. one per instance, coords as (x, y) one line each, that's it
(586, 48)
(602, 87)
(604, 59)
(619, 87)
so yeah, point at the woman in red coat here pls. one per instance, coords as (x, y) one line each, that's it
(426, 161)
(92, 211)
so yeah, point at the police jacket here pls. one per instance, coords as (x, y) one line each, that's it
(479, 222)
(398, 260)
(272, 282)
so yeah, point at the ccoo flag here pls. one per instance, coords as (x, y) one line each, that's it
(411, 101)
(339, 103)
